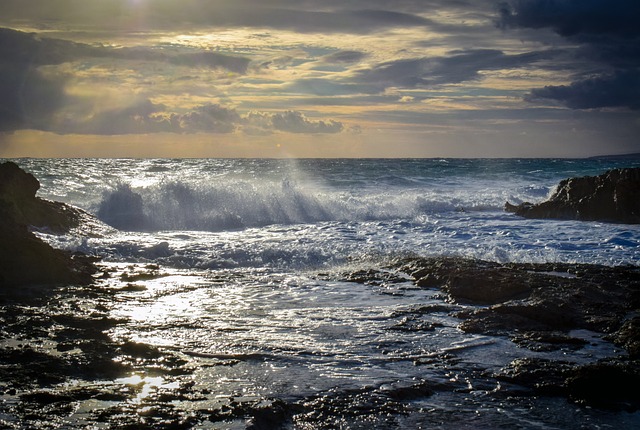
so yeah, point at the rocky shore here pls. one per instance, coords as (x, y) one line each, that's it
(613, 196)
(63, 364)
(538, 307)
(59, 355)
(25, 259)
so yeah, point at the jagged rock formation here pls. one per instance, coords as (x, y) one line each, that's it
(25, 259)
(540, 307)
(613, 197)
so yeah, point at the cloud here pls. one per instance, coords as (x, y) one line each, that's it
(210, 118)
(343, 57)
(569, 18)
(604, 51)
(190, 59)
(215, 118)
(31, 50)
(419, 73)
(33, 95)
(27, 96)
(296, 122)
(620, 89)
(333, 87)
(142, 116)
(32, 98)
(308, 21)
(305, 17)
(459, 66)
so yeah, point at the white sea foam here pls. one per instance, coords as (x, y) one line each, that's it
(216, 205)
(310, 213)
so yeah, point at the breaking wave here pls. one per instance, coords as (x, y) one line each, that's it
(232, 205)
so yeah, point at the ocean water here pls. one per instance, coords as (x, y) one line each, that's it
(251, 253)
(282, 215)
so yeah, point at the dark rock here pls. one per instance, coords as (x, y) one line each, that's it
(25, 259)
(629, 337)
(468, 286)
(613, 197)
(547, 341)
(413, 325)
(459, 277)
(19, 203)
(606, 385)
(540, 375)
(45, 398)
(16, 184)
(373, 277)
(536, 305)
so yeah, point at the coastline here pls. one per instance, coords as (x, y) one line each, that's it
(56, 357)
(478, 333)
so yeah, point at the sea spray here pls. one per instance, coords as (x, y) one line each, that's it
(233, 204)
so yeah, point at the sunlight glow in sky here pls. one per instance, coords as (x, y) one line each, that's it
(319, 78)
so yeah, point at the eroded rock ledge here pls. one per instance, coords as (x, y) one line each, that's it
(25, 259)
(612, 197)
(538, 306)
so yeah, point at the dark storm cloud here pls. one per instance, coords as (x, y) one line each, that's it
(607, 57)
(31, 50)
(29, 98)
(459, 66)
(570, 17)
(621, 89)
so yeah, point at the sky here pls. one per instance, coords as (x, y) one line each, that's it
(319, 78)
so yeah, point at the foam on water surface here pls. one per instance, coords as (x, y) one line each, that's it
(252, 212)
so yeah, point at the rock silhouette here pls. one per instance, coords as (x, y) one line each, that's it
(612, 197)
(25, 259)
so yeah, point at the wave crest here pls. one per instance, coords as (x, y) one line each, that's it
(232, 205)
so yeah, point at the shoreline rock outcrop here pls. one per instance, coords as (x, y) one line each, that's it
(542, 307)
(613, 196)
(24, 258)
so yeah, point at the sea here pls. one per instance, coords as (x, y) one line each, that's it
(238, 267)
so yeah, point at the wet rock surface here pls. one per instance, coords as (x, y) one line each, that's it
(21, 206)
(540, 307)
(613, 197)
(64, 364)
(25, 259)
